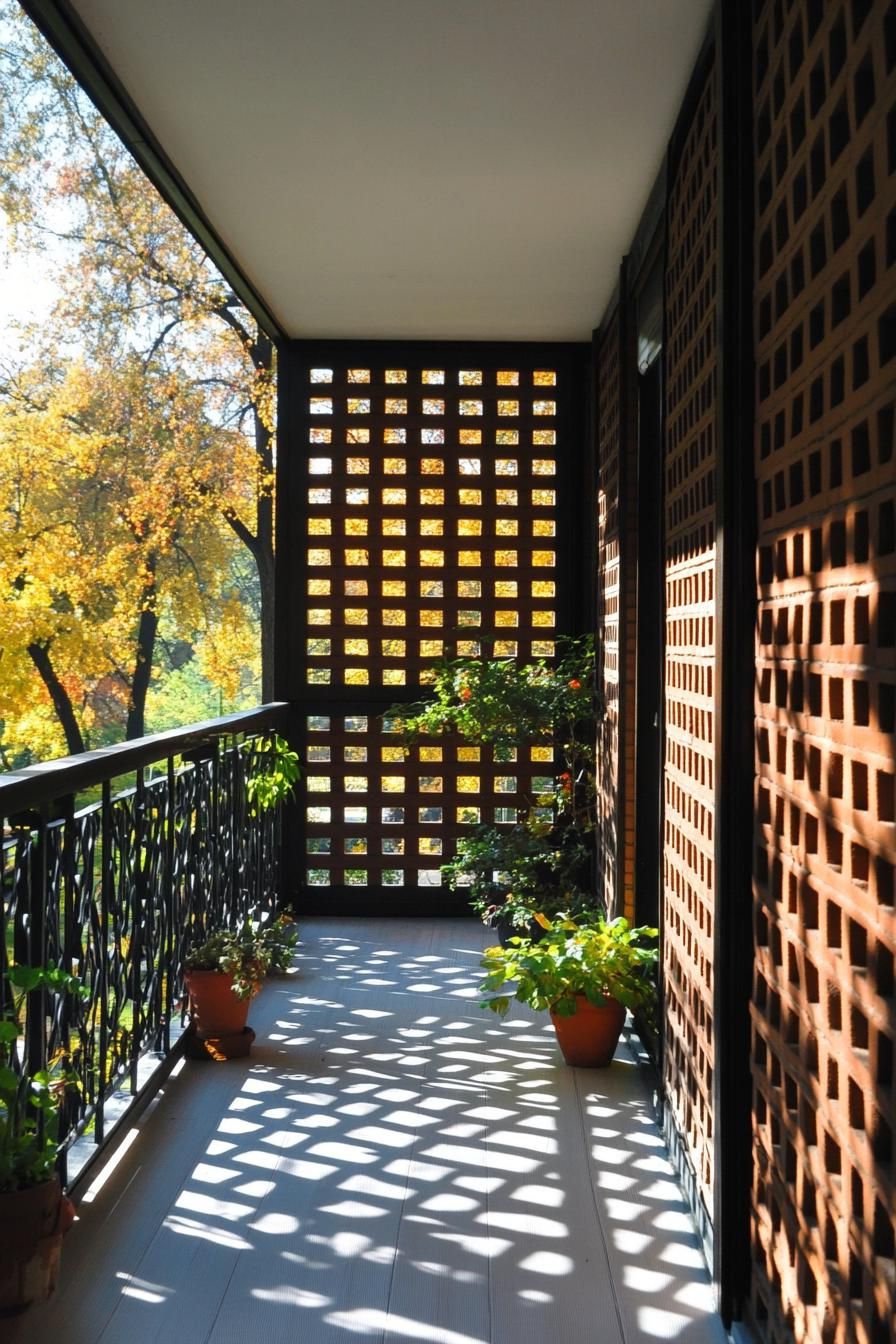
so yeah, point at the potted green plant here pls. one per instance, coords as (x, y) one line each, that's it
(34, 1213)
(223, 973)
(584, 974)
(540, 863)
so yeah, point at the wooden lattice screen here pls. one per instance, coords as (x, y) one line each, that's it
(434, 492)
(823, 1016)
(690, 565)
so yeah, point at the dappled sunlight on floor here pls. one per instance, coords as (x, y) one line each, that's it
(391, 1164)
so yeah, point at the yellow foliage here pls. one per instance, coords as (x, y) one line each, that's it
(113, 489)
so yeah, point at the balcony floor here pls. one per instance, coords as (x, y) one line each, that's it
(391, 1164)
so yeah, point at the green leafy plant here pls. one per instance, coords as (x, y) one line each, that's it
(603, 959)
(242, 955)
(29, 1102)
(499, 702)
(274, 777)
(513, 872)
(541, 862)
(278, 938)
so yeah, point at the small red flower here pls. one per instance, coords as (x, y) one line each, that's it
(465, 692)
(575, 684)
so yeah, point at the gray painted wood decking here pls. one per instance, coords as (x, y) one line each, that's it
(391, 1164)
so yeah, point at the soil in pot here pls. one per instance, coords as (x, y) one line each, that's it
(215, 1009)
(588, 1038)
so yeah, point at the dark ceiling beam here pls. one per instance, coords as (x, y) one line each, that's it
(66, 33)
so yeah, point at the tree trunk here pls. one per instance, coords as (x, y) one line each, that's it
(40, 657)
(146, 647)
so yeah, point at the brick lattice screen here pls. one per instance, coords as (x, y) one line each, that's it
(432, 510)
(823, 1012)
(690, 565)
(615, 644)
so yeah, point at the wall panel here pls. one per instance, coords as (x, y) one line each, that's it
(689, 666)
(427, 508)
(823, 1012)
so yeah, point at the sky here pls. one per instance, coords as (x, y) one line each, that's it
(27, 289)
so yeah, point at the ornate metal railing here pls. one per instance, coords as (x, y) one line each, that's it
(113, 862)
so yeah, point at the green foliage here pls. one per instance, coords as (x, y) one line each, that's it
(278, 939)
(497, 702)
(241, 955)
(604, 959)
(29, 1103)
(184, 694)
(274, 781)
(541, 863)
(247, 955)
(513, 872)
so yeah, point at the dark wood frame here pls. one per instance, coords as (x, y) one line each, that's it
(290, 572)
(646, 258)
(735, 600)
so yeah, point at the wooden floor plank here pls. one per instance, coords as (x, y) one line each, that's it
(652, 1247)
(553, 1280)
(391, 1164)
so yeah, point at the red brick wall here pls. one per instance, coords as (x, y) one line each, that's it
(690, 578)
(823, 1010)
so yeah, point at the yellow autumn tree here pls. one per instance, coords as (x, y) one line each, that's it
(131, 278)
(114, 487)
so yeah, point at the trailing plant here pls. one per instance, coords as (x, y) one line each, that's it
(604, 959)
(274, 777)
(30, 1102)
(242, 955)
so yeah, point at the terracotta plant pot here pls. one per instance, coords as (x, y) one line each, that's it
(33, 1222)
(588, 1038)
(215, 1009)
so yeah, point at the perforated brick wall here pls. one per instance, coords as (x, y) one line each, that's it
(431, 518)
(690, 573)
(823, 1012)
(615, 643)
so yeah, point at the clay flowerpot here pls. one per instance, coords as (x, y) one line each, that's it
(215, 1009)
(588, 1038)
(33, 1222)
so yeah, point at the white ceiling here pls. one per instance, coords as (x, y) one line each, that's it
(451, 169)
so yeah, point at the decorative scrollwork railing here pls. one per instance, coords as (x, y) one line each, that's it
(113, 862)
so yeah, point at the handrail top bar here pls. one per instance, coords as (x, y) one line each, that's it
(22, 790)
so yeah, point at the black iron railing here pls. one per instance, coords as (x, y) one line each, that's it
(113, 862)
